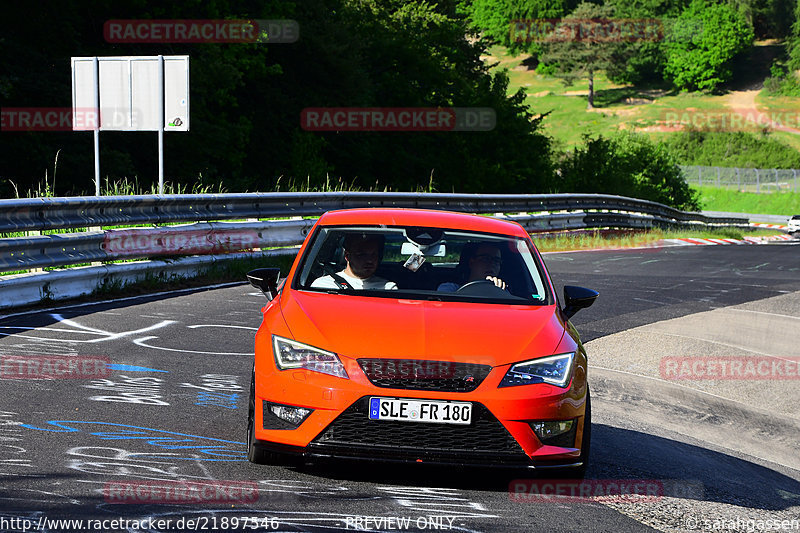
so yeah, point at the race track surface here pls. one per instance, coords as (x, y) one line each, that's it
(174, 407)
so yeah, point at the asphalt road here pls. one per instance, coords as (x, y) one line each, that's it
(175, 407)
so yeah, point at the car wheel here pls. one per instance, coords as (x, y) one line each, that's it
(254, 454)
(586, 440)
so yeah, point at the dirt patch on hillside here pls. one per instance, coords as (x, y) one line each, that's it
(743, 103)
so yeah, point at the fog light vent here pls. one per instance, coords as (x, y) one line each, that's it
(556, 432)
(279, 416)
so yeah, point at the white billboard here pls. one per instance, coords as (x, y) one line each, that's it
(176, 93)
(131, 92)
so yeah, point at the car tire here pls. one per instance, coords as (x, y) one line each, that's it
(254, 453)
(579, 472)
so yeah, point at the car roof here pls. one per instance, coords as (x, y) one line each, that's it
(420, 217)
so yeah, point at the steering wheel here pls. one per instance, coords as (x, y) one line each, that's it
(485, 288)
(475, 284)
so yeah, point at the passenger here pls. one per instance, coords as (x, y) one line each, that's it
(363, 255)
(482, 263)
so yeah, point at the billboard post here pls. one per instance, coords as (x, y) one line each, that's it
(161, 126)
(95, 79)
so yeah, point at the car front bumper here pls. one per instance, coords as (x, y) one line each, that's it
(499, 434)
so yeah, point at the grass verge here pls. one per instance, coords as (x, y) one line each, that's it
(730, 200)
(632, 239)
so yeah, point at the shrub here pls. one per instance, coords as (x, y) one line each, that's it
(731, 149)
(627, 164)
(781, 82)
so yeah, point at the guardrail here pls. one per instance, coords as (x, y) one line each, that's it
(207, 228)
(60, 213)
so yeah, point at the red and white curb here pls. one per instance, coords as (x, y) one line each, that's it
(759, 240)
(768, 226)
(746, 240)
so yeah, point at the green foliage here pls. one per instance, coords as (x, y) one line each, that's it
(769, 18)
(503, 21)
(578, 240)
(781, 82)
(628, 165)
(702, 42)
(793, 41)
(642, 61)
(416, 56)
(731, 149)
(734, 201)
(547, 70)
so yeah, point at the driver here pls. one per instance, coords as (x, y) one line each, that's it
(484, 264)
(362, 252)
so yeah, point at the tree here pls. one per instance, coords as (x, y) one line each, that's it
(769, 18)
(580, 45)
(793, 41)
(702, 42)
(641, 61)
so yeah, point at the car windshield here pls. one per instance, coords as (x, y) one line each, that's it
(422, 263)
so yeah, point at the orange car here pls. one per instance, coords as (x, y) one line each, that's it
(419, 336)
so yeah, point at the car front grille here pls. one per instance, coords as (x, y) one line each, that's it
(353, 433)
(415, 374)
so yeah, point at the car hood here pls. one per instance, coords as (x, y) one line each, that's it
(356, 326)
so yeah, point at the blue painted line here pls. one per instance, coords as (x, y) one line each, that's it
(131, 368)
(206, 448)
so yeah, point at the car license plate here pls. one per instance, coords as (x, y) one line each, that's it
(440, 412)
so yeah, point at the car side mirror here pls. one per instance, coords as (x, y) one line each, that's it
(265, 279)
(577, 298)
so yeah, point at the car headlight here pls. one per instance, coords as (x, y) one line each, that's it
(555, 370)
(293, 354)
